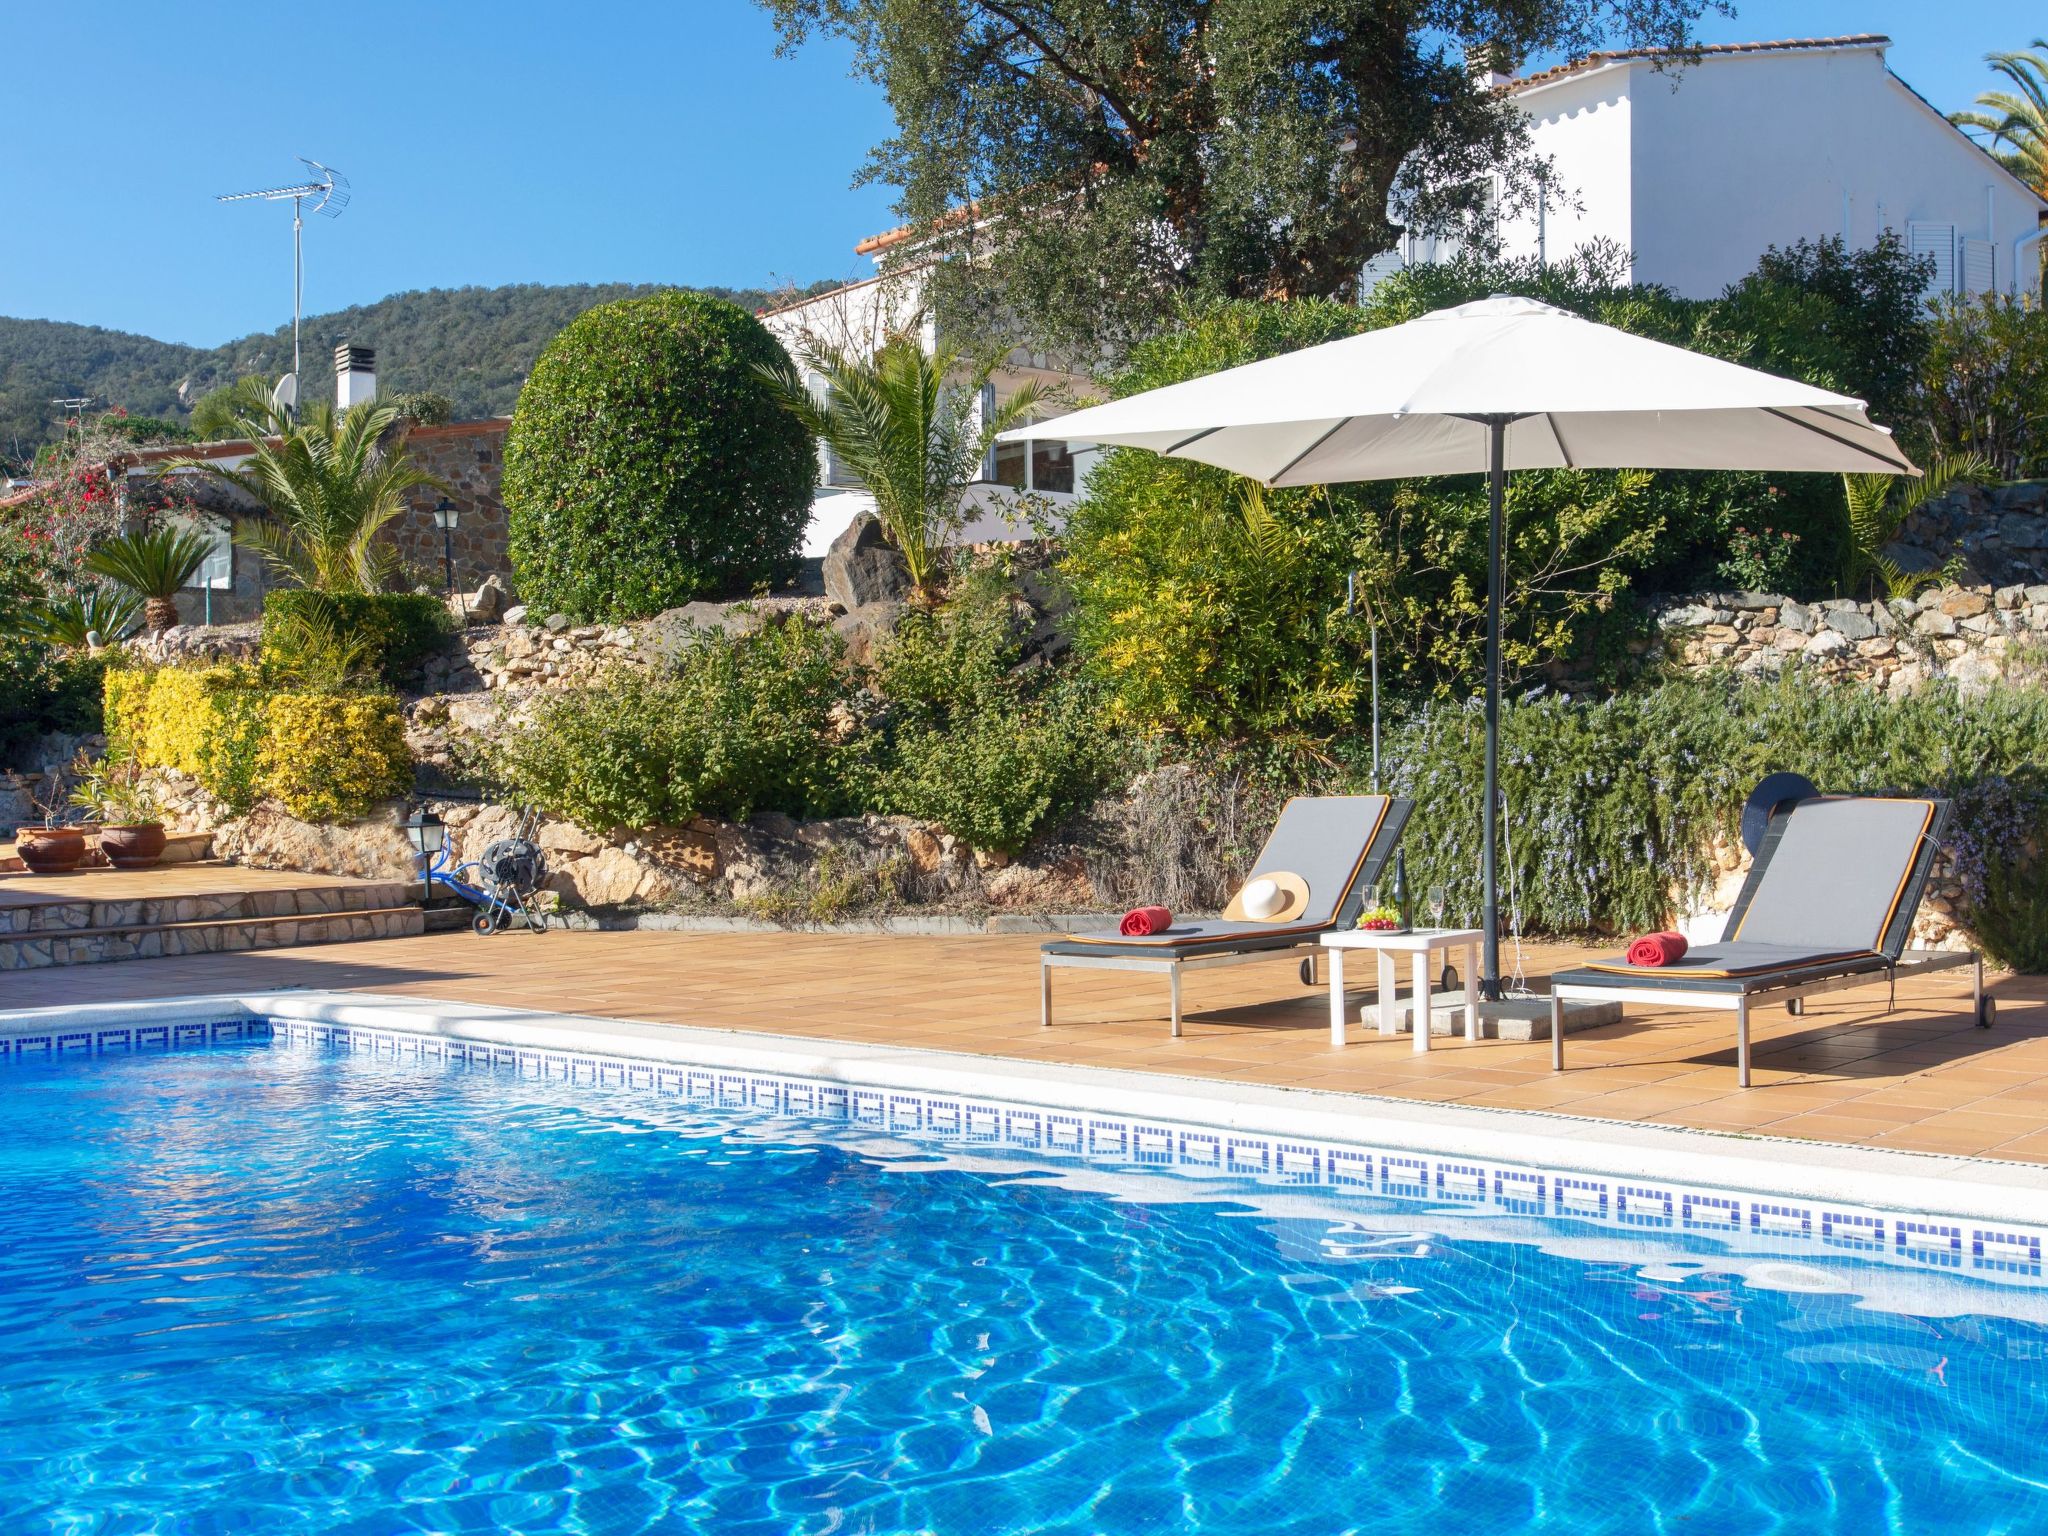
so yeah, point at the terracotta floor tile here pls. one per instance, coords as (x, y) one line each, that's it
(1922, 1076)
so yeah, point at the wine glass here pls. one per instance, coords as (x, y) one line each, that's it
(1436, 900)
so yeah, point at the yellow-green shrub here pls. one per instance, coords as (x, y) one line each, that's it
(325, 756)
(331, 756)
(125, 693)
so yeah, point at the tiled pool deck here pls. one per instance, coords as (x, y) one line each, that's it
(1919, 1079)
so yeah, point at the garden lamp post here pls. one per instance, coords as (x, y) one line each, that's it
(445, 519)
(428, 835)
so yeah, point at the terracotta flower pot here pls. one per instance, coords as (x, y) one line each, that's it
(136, 847)
(50, 850)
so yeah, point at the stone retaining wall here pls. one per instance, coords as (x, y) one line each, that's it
(1997, 535)
(1975, 635)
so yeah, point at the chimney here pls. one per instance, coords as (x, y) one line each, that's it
(1491, 66)
(355, 376)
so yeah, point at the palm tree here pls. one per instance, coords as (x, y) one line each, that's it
(153, 565)
(912, 437)
(1877, 509)
(2017, 120)
(330, 484)
(219, 412)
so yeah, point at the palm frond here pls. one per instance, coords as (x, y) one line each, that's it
(331, 484)
(74, 619)
(153, 564)
(904, 422)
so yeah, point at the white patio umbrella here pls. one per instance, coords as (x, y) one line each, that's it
(1493, 386)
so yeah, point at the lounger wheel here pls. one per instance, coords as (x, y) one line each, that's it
(1987, 1012)
(1448, 981)
(1308, 970)
(1795, 1006)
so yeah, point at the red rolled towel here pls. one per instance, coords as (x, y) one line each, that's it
(1657, 949)
(1143, 922)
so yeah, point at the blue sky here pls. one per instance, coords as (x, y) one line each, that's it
(635, 140)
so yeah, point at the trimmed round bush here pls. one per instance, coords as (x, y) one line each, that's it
(648, 464)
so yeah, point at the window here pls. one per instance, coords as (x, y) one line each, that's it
(1012, 466)
(217, 574)
(1052, 467)
(1039, 466)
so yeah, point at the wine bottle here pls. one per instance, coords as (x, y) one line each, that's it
(1403, 904)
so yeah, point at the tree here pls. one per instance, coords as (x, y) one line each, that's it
(1097, 159)
(217, 413)
(650, 464)
(330, 483)
(1876, 508)
(152, 565)
(914, 439)
(2017, 120)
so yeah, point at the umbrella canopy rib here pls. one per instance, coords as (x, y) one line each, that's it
(1895, 464)
(1281, 473)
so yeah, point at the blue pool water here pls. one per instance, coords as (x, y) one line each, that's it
(272, 1289)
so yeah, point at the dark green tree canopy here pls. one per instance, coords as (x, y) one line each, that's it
(649, 464)
(1125, 153)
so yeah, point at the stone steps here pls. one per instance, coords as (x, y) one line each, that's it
(87, 918)
(60, 912)
(36, 949)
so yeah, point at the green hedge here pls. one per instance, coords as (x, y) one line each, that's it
(397, 630)
(324, 755)
(1611, 804)
(648, 464)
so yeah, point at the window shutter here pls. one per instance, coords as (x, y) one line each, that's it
(1939, 241)
(1980, 267)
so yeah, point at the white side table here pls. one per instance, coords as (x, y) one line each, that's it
(1423, 944)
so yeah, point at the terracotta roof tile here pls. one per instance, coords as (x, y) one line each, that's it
(1706, 50)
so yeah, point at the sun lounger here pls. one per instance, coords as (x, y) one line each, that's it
(1334, 846)
(1829, 903)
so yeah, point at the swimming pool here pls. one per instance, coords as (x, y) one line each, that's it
(284, 1286)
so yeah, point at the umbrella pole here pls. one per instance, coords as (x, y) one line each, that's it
(1489, 876)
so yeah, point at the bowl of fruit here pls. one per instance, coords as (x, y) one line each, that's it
(1381, 920)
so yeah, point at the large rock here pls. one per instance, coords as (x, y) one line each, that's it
(268, 838)
(1850, 623)
(863, 567)
(867, 628)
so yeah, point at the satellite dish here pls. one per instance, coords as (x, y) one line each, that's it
(1775, 793)
(286, 396)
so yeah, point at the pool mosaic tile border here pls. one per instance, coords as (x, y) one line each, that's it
(113, 1039)
(2007, 1254)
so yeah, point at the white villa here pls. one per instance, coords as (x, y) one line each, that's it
(861, 315)
(1694, 169)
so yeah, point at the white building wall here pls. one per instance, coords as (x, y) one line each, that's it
(1583, 124)
(1737, 153)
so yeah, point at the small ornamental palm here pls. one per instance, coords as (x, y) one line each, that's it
(330, 485)
(153, 565)
(1877, 508)
(909, 434)
(75, 618)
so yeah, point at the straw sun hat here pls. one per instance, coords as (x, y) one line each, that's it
(1273, 896)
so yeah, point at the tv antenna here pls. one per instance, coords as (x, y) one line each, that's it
(329, 190)
(74, 408)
